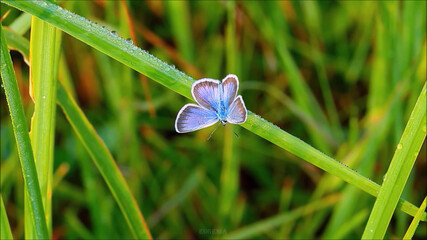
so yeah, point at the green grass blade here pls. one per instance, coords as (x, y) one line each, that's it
(105, 163)
(179, 19)
(349, 225)
(229, 179)
(399, 170)
(414, 224)
(6, 233)
(141, 61)
(18, 43)
(21, 24)
(189, 186)
(22, 140)
(314, 28)
(275, 30)
(281, 219)
(44, 52)
(301, 149)
(109, 43)
(74, 223)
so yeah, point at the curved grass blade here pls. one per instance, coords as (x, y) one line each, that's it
(282, 218)
(6, 233)
(18, 43)
(189, 185)
(23, 141)
(414, 224)
(399, 170)
(130, 55)
(105, 163)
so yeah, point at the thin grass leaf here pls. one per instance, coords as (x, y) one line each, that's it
(281, 219)
(21, 24)
(44, 51)
(23, 141)
(6, 233)
(105, 163)
(349, 225)
(230, 161)
(179, 19)
(128, 54)
(400, 167)
(314, 25)
(275, 30)
(79, 228)
(416, 221)
(18, 43)
(188, 186)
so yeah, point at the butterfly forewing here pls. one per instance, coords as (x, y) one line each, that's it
(237, 113)
(192, 117)
(230, 85)
(206, 93)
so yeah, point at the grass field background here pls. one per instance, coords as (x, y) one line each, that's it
(335, 135)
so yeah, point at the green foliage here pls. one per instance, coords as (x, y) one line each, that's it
(29, 172)
(337, 82)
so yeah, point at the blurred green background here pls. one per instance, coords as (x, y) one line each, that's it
(342, 76)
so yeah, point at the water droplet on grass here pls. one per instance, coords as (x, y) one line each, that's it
(129, 40)
(399, 146)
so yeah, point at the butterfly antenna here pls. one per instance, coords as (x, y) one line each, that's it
(210, 135)
(237, 135)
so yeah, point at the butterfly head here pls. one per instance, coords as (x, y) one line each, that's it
(223, 122)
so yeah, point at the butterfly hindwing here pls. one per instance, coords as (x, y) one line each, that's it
(192, 117)
(206, 93)
(237, 113)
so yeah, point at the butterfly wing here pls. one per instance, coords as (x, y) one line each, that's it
(237, 113)
(206, 93)
(230, 85)
(192, 117)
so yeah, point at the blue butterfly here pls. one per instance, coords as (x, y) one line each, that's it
(218, 101)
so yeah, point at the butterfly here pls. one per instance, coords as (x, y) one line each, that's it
(218, 101)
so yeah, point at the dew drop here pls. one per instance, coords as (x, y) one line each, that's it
(399, 146)
(44, 97)
(129, 40)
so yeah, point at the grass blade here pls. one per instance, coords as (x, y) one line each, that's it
(179, 19)
(6, 233)
(18, 43)
(128, 54)
(23, 141)
(399, 170)
(105, 163)
(189, 185)
(414, 224)
(281, 219)
(229, 180)
(44, 52)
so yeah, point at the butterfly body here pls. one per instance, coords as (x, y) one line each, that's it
(218, 101)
